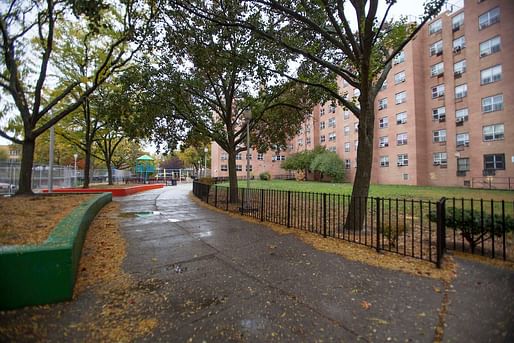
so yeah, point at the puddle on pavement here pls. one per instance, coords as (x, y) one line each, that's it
(141, 214)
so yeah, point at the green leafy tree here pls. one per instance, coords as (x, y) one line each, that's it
(302, 160)
(323, 36)
(25, 77)
(329, 164)
(210, 76)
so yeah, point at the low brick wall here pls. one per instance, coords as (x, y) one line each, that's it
(46, 273)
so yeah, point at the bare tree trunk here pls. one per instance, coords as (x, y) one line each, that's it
(232, 175)
(109, 171)
(357, 207)
(27, 159)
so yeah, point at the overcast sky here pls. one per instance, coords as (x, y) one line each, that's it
(402, 7)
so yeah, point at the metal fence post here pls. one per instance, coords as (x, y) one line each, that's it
(288, 208)
(378, 224)
(441, 231)
(325, 215)
(262, 205)
(242, 200)
(215, 195)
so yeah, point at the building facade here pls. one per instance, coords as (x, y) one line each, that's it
(445, 116)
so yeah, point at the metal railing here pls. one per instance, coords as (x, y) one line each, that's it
(493, 182)
(422, 229)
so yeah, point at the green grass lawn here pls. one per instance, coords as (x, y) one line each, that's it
(387, 191)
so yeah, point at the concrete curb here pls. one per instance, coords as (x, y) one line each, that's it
(45, 273)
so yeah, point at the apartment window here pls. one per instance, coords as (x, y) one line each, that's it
(399, 58)
(249, 156)
(492, 103)
(436, 48)
(382, 104)
(463, 164)
(308, 140)
(332, 108)
(399, 77)
(322, 125)
(347, 164)
(224, 156)
(461, 91)
(490, 46)
(459, 44)
(489, 18)
(494, 161)
(346, 130)
(383, 122)
(457, 21)
(331, 136)
(322, 138)
(239, 156)
(440, 158)
(435, 27)
(439, 114)
(356, 126)
(332, 122)
(322, 111)
(400, 98)
(346, 114)
(260, 157)
(384, 86)
(403, 160)
(249, 168)
(438, 91)
(347, 147)
(437, 69)
(461, 114)
(439, 136)
(493, 132)
(401, 138)
(462, 139)
(383, 142)
(459, 68)
(239, 167)
(332, 149)
(224, 167)
(356, 144)
(401, 118)
(491, 75)
(384, 161)
(405, 176)
(300, 142)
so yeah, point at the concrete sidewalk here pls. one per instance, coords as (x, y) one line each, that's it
(223, 279)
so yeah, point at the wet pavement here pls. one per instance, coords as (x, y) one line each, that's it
(221, 279)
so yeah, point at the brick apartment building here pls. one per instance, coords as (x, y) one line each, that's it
(445, 116)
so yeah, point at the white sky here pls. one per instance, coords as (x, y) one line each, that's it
(401, 8)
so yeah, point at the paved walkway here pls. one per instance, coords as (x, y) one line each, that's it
(224, 279)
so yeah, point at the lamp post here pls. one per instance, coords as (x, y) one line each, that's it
(248, 117)
(75, 169)
(205, 150)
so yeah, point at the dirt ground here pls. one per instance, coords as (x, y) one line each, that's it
(30, 219)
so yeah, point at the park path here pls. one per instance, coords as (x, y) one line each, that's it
(202, 275)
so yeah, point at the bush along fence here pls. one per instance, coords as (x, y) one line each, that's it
(421, 229)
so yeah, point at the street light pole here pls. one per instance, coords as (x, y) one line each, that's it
(205, 150)
(248, 116)
(75, 170)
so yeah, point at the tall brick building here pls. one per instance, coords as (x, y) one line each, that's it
(444, 117)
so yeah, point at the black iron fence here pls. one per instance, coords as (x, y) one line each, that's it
(422, 229)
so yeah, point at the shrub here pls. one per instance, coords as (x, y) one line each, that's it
(302, 160)
(392, 233)
(328, 163)
(470, 224)
(265, 176)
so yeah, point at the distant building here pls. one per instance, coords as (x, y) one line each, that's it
(445, 115)
(12, 151)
